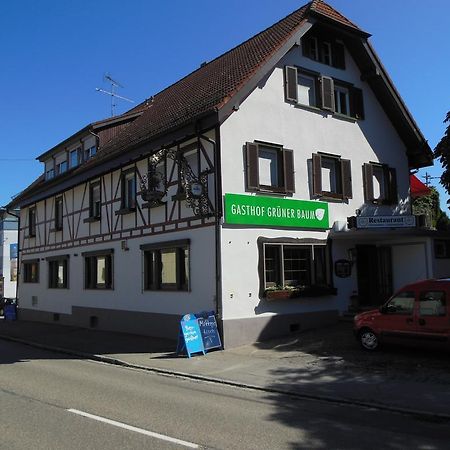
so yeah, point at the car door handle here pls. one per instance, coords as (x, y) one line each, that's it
(409, 320)
(422, 322)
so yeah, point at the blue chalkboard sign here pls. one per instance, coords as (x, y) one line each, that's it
(209, 331)
(190, 337)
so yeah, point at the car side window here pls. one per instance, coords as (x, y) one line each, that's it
(432, 303)
(402, 303)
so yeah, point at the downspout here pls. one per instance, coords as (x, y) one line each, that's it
(218, 225)
(19, 262)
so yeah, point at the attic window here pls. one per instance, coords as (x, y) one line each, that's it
(74, 158)
(325, 50)
(90, 152)
(49, 174)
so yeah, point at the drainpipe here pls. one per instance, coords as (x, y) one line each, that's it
(218, 199)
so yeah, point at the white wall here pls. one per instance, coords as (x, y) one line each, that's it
(8, 237)
(266, 116)
(128, 293)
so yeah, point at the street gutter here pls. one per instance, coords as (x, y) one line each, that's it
(416, 413)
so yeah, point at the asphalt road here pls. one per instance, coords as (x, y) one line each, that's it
(50, 401)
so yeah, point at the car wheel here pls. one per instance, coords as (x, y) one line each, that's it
(368, 340)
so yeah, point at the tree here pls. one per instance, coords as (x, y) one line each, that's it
(428, 205)
(442, 151)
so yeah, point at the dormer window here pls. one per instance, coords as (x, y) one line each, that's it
(61, 167)
(49, 174)
(74, 157)
(90, 152)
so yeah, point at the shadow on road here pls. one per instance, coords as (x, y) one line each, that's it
(328, 362)
(82, 340)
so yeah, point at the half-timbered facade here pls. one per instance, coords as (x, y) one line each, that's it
(233, 190)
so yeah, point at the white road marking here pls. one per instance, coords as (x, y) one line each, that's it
(135, 429)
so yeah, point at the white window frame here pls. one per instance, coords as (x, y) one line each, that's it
(337, 99)
(312, 99)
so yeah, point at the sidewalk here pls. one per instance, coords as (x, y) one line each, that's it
(325, 364)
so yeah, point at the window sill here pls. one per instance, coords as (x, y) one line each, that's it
(123, 211)
(91, 219)
(267, 191)
(311, 291)
(54, 230)
(345, 117)
(331, 197)
(98, 289)
(311, 108)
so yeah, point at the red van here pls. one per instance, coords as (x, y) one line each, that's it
(418, 314)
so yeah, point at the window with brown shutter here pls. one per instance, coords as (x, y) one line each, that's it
(380, 184)
(291, 83)
(269, 167)
(327, 91)
(331, 177)
(309, 88)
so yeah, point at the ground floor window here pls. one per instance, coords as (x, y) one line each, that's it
(166, 266)
(294, 264)
(98, 270)
(31, 271)
(58, 271)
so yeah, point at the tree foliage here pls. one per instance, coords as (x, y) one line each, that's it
(442, 151)
(428, 205)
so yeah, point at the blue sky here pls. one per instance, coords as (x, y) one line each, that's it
(55, 53)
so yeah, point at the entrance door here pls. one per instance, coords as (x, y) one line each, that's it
(374, 274)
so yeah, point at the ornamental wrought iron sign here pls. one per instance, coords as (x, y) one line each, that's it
(193, 189)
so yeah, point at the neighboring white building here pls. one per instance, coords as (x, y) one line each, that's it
(233, 188)
(9, 225)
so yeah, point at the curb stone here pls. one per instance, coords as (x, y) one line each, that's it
(416, 413)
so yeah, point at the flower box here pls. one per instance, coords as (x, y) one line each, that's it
(307, 291)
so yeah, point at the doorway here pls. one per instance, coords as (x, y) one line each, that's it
(374, 268)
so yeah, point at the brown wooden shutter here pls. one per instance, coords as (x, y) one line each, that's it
(291, 84)
(356, 103)
(316, 175)
(368, 182)
(288, 167)
(252, 166)
(327, 91)
(338, 55)
(346, 173)
(393, 195)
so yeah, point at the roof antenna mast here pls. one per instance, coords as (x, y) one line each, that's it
(112, 93)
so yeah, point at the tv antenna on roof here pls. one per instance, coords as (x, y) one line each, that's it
(112, 93)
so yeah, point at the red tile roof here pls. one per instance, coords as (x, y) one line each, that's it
(320, 7)
(209, 87)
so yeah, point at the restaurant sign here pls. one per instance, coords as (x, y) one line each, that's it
(386, 222)
(275, 212)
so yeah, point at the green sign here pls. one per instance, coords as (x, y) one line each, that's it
(275, 212)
